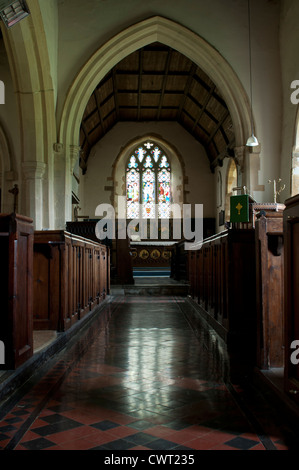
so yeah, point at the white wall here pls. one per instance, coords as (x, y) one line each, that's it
(49, 11)
(9, 118)
(200, 181)
(289, 36)
(10, 142)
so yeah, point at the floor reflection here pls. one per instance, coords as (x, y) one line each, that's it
(138, 378)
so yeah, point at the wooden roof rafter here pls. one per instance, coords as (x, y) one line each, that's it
(157, 83)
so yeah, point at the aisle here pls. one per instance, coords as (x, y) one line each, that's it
(144, 382)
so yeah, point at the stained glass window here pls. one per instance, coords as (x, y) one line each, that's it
(148, 183)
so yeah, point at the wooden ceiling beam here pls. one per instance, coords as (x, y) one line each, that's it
(207, 87)
(92, 113)
(227, 153)
(108, 98)
(219, 126)
(115, 91)
(96, 93)
(168, 60)
(187, 89)
(203, 109)
(146, 107)
(171, 73)
(139, 83)
(85, 130)
(149, 92)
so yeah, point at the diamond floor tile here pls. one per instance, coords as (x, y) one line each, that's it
(144, 382)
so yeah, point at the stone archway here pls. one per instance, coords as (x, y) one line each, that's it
(165, 31)
(27, 51)
(8, 174)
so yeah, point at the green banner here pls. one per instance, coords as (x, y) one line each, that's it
(239, 208)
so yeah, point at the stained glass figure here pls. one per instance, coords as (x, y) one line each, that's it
(148, 194)
(140, 153)
(156, 153)
(148, 162)
(164, 163)
(148, 145)
(133, 163)
(164, 194)
(148, 183)
(133, 191)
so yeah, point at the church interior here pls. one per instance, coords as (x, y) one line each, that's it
(149, 225)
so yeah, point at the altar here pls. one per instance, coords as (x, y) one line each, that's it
(151, 254)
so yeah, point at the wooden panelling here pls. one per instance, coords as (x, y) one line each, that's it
(291, 282)
(146, 255)
(222, 281)
(70, 278)
(16, 289)
(270, 290)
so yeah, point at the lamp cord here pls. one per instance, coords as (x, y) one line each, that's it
(250, 65)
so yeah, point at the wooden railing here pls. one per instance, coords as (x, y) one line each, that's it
(237, 280)
(71, 276)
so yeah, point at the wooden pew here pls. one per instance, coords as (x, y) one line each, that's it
(224, 286)
(16, 290)
(291, 303)
(70, 278)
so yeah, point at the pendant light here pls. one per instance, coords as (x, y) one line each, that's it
(252, 141)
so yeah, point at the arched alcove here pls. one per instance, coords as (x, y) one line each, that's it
(7, 174)
(231, 182)
(295, 160)
(28, 54)
(169, 33)
(156, 29)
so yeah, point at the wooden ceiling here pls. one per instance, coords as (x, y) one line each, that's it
(157, 83)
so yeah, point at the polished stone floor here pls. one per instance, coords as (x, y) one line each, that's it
(146, 381)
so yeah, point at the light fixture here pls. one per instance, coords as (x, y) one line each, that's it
(252, 141)
(11, 12)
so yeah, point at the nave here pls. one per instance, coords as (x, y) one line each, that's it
(141, 378)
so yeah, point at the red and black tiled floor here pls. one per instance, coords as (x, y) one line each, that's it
(144, 382)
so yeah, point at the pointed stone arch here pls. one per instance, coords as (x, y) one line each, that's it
(155, 29)
(29, 63)
(172, 34)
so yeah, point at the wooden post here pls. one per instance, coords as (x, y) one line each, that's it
(270, 290)
(291, 276)
(16, 290)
